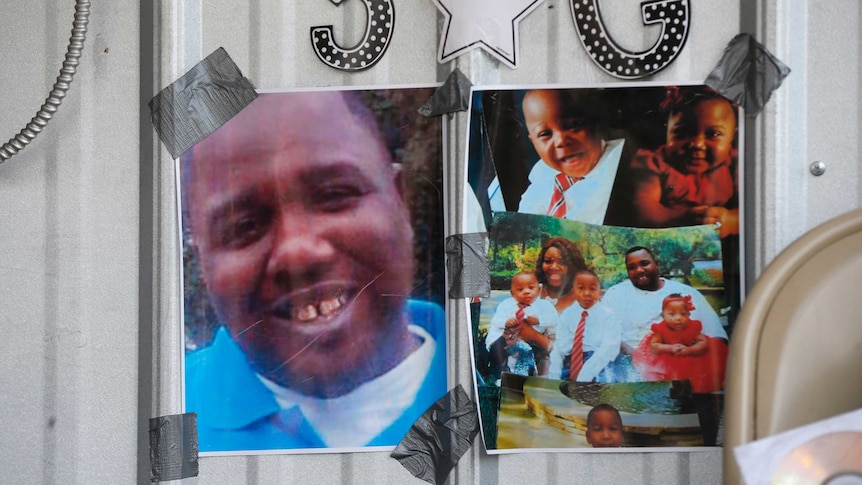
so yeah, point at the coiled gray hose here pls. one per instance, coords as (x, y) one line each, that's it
(58, 92)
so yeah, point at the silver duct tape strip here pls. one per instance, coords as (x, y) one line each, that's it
(173, 447)
(747, 74)
(452, 96)
(199, 102)
(467, 263)
(438, 439)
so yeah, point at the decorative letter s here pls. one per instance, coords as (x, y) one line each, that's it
(378, 32)
(620, 63)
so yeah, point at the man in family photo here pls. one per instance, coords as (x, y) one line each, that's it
(298, 221)
(639, 299)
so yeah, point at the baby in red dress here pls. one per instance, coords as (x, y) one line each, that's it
(677, 349)
(692, 179)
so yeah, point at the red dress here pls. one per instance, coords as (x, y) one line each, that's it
(705, 371)
(715, 187)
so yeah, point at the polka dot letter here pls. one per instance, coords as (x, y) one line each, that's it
(378, 32)
(673, 15)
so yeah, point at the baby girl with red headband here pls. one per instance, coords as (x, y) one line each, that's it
(677, 349)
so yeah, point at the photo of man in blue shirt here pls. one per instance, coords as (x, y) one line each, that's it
(306, 247)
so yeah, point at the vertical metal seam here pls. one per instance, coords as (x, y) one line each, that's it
(147, 305)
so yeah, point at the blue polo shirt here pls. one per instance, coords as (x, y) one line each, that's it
(237, 412)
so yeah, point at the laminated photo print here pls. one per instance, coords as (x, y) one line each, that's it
(613, 216)
(312, 238)
(538, 413)
(643, 156)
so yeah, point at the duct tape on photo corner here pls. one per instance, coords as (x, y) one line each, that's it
(452, 96)
(467, 263)
(440, 437)
(747, 74)
(199, 102)
(173, 447)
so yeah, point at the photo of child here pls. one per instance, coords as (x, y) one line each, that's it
(577, 156)
(521, 408)
(590, 329)
(643, 185)
(692, 178)
(677, 349)
(604, 427)
(549, 413)
(512, 341)
(576, 167)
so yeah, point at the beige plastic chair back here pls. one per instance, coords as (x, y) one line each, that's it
(796, 352)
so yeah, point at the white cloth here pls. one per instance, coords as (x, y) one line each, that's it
(586, 200)
(473, 220)
(638, 309)
(354, 419)
(495, 195)
(759, 460)
(548, 317)
(602, 336)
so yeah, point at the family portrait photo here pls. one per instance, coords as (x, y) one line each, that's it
(613, 216)
(583, 303)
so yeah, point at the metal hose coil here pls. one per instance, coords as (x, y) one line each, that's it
(58, 92)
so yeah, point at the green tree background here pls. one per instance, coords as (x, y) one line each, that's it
(516, 239)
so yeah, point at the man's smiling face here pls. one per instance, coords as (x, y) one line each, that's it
(304, 241)
(643, 270)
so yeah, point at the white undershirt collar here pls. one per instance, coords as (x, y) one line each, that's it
(356, 418)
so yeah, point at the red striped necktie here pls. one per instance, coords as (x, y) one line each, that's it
(577, 360)
(562, 182)
(519, 313)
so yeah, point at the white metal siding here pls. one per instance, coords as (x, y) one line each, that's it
(89, 301)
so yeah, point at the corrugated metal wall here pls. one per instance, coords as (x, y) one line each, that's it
(89, 261)
(69, 264)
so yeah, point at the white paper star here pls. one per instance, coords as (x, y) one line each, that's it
(489, 24)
